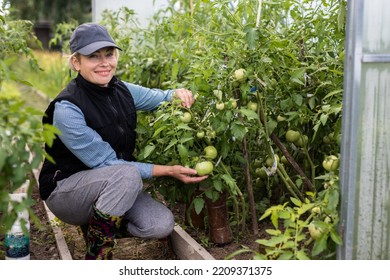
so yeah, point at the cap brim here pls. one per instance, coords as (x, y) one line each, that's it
(91, 48)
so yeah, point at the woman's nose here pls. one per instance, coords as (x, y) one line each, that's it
(103, 60)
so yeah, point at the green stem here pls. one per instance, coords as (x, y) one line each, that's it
(287, 184)
(260, 113)
(312, 167)
(291, 183)
(241, 198)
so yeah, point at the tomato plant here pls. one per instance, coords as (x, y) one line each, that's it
(294, 75)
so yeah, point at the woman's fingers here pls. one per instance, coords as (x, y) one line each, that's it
(185, 96)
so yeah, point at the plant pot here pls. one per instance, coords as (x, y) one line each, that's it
(191, 217)
(218, 219)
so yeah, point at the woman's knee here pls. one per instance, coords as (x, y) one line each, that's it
(127, 178)
(165, 227)
(153, 227)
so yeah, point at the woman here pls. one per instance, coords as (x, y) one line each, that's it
(93, 179)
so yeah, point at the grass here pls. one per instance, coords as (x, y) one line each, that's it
(52, 77)
(10, 90)
(46, 82)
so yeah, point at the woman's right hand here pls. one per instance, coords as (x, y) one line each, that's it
(185, 174)
(185, 96)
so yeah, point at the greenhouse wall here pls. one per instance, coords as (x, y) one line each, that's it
(365, 150)
(143, 9)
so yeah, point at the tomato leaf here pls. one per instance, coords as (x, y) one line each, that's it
(251, 115)
(301, 255)
(238, 131)
(198, 204)
(148, 150)
(251, 36)
(172, 143)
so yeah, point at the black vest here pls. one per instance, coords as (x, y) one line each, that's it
(110, 111)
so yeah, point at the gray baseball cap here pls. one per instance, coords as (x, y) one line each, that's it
(90, 37)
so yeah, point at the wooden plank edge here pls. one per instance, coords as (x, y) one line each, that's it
(62, 246)
(186, 248)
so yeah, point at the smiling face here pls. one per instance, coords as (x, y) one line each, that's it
(97, 68)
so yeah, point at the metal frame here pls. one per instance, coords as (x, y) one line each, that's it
(349, 143)
(361, 239)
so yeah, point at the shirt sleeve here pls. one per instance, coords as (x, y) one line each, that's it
(85, 143)
(147, 99)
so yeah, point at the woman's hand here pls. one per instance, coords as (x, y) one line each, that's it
(184, 174)
(185, 96)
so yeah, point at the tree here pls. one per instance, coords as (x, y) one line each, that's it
(54, 11)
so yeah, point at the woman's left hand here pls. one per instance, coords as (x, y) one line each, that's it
(185, 96)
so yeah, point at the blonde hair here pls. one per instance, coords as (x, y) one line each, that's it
(78, 55)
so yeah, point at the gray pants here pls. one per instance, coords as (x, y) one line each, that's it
(115, 190)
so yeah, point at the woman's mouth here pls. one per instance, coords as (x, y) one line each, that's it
(103, 73)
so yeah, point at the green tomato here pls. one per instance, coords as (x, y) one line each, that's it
(331, 163)
(261, 173)
(252, 106)
(338, 139)
(280, 118)
(186, 117)
(302, 141)
(211, 134)
(316, 210)
(257, 163)
(233, 103)
(240, 75)
(218, 94)
(204, 168)
(200, 134)
(292, 135)
(270, 161)
(211, 152)
(326, 140)
(315, 232)
(220, 106)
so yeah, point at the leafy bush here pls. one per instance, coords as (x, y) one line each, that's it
(20, 126)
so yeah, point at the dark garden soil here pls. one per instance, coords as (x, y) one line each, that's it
(43, 244)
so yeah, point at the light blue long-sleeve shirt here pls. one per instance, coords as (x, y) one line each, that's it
(87, 145)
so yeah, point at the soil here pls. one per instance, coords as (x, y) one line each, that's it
(43, 244)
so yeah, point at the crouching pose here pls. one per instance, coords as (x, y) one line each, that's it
(94, 180)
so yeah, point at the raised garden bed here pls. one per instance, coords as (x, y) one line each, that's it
(61, 241)
(55, 240)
